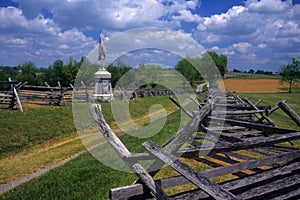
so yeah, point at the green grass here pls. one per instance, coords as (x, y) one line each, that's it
(85, 177)
(279, 117)
(82, 178)
(38, 124)
(33, 126)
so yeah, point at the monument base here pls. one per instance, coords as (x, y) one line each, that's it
(103, 90)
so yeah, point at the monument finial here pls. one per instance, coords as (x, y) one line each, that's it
(101, 52)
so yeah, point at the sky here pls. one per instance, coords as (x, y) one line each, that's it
(258, 34)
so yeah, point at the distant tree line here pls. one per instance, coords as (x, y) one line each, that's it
(192, 69)
(252, 71)
(28, 71)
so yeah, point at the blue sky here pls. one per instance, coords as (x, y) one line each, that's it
(255, 34)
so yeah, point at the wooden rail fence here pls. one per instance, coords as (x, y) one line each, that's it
(255, 158)
(42, 95)
(9, 98)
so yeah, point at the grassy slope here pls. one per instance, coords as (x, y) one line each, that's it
(87, 178)
(32, 156)
(39, 124)
(34, 126)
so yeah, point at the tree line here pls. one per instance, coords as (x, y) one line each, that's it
(66, 73)
(29, 72)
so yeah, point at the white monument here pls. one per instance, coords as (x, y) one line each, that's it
(103, 90)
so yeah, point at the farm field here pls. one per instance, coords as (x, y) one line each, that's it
(255, 85)
(86, 178)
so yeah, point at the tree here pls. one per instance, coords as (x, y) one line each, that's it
(70, 71)
(55, 73)
(220, 61)
(259, 71)
(251, 71)
(117, 70)
(290, 73)
(186, 68)
(28, 72)
(151, 74)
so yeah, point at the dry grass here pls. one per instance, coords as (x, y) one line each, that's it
(254, 85)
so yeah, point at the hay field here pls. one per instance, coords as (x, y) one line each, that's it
(254, 85)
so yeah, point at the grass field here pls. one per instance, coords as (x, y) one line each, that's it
(34, 126)
(42, 136)
(87, 178)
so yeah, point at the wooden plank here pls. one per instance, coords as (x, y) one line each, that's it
(290, 112)
(270, 111)
(115, 142)
(244, 133)
(181, 107)
(224, 128)
(15, 93)
(290, 195)
(189, 173)
(194, 100)
(6, 100)
(180, 180)
(178, 139)
(6, 95)
(229, 160)
(255, 126)
(263, 190)
(263, 151)
(245, 144)
(239, 112)
(242, 182)
(266, 161)
(282, 148)
(48, 87)
(126, 192)
(263, 116)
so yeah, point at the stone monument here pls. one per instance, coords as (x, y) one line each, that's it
(103, 90)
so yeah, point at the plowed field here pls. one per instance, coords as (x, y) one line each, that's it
(254, 85)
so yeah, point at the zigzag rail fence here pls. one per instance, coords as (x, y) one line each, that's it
(274, 174)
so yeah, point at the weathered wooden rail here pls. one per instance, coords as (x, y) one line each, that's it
(247, 156)
(79, 94)
(144, 92)
(9, 98)
(42, 95)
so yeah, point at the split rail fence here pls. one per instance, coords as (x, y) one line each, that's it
(42, 95)
(9, 98)
(248, 155)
